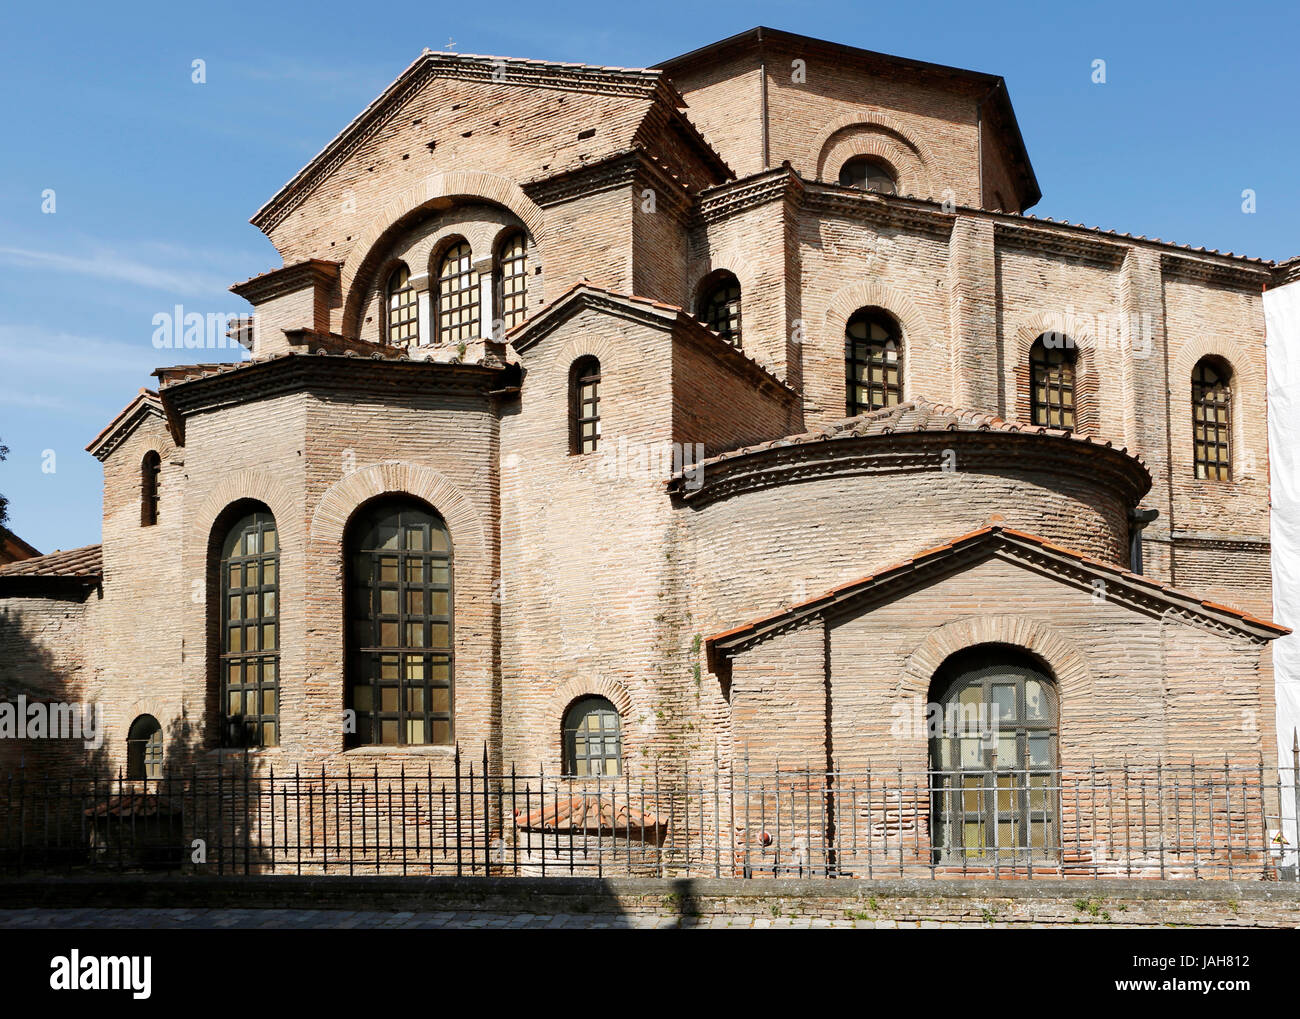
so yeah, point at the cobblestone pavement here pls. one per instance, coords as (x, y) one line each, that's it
(337, 918)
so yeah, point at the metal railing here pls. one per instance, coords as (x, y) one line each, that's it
(1148, 820)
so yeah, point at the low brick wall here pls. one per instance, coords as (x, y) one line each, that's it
(887, 903)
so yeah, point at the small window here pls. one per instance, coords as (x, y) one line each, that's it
(1212, 420)
(458, 296)
(250, 632)
(720, 307)
(144, 749)
(512, 281)
(150, 484)
(402, 309)
(868, 174)
(584, 411)
(872, 354)
(1051, 371)
(593, 739)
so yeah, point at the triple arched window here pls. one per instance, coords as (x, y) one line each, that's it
(1212, 419)
(720, 306)
(249, 659)
(401, 309)
(873, 347)
(399, 612)
(512, 281)
(1052, 361)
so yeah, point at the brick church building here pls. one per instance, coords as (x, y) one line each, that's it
(614, 417)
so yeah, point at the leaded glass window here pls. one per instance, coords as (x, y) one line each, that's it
(1051, 371)
(720, 308)
(403, 309)
(513, 281)
(458, 296)
(593, 739)
(250, 632)
(585, 405)
(1212, 420)
(993, 753)
(873, 358)
(400, 625)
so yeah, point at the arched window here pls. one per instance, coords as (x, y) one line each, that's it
(512, 280)
(584, 405)
(720, 307)
(593, 739)
(402, 309)
(250, 632)
(872, 355)
(993, 754)
(869, 175)
(1051, 378)
(150, 477)
(144, 749)
(399, 663)
(458, 295)
(1212, 419)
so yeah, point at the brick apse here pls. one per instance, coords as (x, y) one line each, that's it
(611, 418)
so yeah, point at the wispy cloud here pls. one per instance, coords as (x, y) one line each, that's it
(108, 264)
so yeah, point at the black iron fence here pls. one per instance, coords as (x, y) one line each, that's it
(1151, 820)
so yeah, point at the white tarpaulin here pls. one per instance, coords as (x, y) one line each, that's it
(1282, 321)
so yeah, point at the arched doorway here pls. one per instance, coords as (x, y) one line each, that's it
(993, 758)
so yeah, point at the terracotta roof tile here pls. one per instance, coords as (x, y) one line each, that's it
(586, 812)
(79, 563)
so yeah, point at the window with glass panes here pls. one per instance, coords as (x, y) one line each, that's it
(400, 625)
(403, 309)
(1051, 370)
(721, 307)
(1212, 421)
(872, 355)
(593, 739)
(513, 281)
(868, 174)
(993, 759)
(144, 749)
(250, 638)
(585, 411)
(458, 296)
(150, 480)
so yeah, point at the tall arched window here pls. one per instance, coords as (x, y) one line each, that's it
(873, 357)
(593, 739)
(584, 405)
(458, 295)
(1212, 419)
(720, 307)
(1052, 361)
(250, 632)
(512, 280)
(144, 749)
(399, 664)
(869, 175)
(402, 309)
(993, 756)
(150, 477)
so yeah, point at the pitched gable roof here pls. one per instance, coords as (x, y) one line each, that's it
(1123, 586)
(146, 404)
(83, 566)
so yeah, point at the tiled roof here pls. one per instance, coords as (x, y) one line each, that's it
(76, 563)
(916, 415)
(176, 374)
(586, 812)
(990, 536)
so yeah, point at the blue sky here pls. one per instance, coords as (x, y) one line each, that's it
(155, 176)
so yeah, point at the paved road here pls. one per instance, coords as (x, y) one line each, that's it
(83, 919)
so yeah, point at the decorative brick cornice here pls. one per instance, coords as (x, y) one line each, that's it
(289, 279)
(908, 213)
(730, 199)
(147, 404)
(1203, 270)
(628, 167)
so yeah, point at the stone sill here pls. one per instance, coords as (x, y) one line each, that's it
(383, 751)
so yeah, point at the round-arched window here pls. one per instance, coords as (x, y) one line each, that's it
(869, 175)
(144, 749)
(593, 739)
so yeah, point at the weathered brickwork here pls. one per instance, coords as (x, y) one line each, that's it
(625, 573)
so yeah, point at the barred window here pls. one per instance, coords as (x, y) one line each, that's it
(993, 759)
(402, 309)
(144, 749)
(720, 307)
(1051, 370)
(593, 739)
(150, 477)
(872, 355)
(400, 653)
(584, 411)
(250, 632)
(512, 286)
(458, 296)
(1212, 419)
(869, 175)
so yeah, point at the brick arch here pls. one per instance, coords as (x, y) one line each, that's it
(468, 184)
(873, 135)
(870, 294)
(587, 346)
(256, 486)
(1066, 662)
(341, 500)
(568, 692)
(1087, 379)
(1246, 376)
